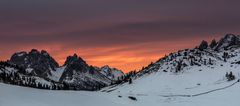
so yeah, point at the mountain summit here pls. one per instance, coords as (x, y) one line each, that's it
(111, 73)
(75, 74)
(230, 40)
(38, 63)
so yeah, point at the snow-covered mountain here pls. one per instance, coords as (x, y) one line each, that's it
(111, 73)
(79, 74)
(228, 42)
(37, 63)
(76, 74)
(188, 75)
(217, 53)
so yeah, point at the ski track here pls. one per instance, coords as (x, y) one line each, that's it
(194, 95)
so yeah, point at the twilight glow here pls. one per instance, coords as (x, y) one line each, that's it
(126, 34)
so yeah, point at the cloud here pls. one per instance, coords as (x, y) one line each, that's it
(120, 33)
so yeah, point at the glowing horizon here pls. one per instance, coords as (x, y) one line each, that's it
(126, 34)
(124, 57)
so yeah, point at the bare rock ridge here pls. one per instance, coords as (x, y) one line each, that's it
(75, 72)
(230, 40)
(41, 63)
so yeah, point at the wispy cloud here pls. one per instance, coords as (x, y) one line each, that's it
(126, 34)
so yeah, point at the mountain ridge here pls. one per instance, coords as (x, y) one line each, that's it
(75, 73)
(201, 71)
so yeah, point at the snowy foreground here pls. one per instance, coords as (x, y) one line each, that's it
(157, 89)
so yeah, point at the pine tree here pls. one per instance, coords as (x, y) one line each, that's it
(130, 80)
(226, 75)
(210, 61)
(179, 66)
(205, 62)
(225, 55)
(191, 62)
(230, 76)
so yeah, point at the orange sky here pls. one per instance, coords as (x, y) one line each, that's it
(126, 34)
(125, 57)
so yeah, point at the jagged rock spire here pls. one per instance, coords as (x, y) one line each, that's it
(203, 45)
(213, 43)
(74, 59)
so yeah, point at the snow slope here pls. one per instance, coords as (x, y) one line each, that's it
(20, 96)
(56, 75)
(187, 83)
(201, 73)
(208, 87)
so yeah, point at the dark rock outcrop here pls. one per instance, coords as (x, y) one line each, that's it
(74, 64)
(41, 63)
(79, 74)
(203, 45)
(111, 73)
(228, 41)
(75, 74)
(213, 43)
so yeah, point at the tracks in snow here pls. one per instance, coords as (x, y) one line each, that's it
(203, 93)
(199, 94)
(183, 95)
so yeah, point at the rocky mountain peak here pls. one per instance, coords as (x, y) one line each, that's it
(19, 54)
(203, 45)
(74, 59)
(228, 41)
(76, 73)
(111, 73)
(229, 36)
(44, 52)
(74, 64)
(106, 66)
(41, 63)
(213, 43)
(34, 51)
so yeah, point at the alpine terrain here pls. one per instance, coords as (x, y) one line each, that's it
(39, 70)
(207, 75)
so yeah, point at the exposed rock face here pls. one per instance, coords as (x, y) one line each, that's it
(75, 72)
(203, 45)
(40, 63)
(228, 41)
(79, 74)
(74, 64)
(111, 73)
(213, 43)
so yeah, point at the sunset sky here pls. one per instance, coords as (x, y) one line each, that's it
(126, 34)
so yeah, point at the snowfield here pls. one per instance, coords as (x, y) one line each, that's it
(159, 88)
(208, 87)
(11, 95)
(20, 96)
